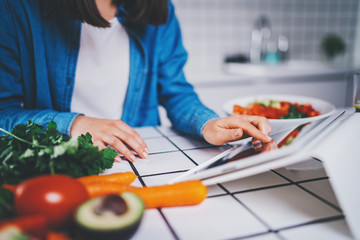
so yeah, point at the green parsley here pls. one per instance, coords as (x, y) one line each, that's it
(293, 113)
(7, 210)
(31, 150)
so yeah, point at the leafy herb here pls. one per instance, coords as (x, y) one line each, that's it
(31, 150)
(294, 113)
(7, 210)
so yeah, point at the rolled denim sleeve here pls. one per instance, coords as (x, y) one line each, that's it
(12, 110)
(10, 117)
(183, 106)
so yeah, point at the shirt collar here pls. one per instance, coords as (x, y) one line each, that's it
(121, 14)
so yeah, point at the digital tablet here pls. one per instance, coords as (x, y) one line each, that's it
(242, 160)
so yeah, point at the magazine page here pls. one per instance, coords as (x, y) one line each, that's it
(243, 161)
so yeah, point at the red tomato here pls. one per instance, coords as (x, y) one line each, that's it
(54, 196)
(34, 226)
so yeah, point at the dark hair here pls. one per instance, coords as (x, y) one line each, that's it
(154, 12)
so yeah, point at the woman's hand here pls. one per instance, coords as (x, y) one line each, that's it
(267, 147)
(223, 130)
(115, 133)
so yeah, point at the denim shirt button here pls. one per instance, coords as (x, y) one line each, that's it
(68, 81)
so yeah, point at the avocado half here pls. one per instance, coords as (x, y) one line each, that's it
(109, 217)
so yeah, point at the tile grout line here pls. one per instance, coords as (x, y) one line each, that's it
(320, 198)
(177, 150)
(159, 210)
(137, 174)
(168, 224)
(250, 236)
(163, 173)
(312, 180)
(321, 220)
(249, 190)
(227, 193)
(310, 192)
(232, 194)
(186, 149)
(316, 159)
(279, 236)
(247, 208)
(262, 188)
(276, 231)
(177, 147)
(162, 135)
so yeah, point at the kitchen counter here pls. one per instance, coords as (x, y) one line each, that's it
(248, 73)
(295, 202)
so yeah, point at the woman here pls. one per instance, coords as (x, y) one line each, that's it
(87, 63)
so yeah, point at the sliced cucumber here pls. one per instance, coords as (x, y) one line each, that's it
(269, 103)
(109, 217)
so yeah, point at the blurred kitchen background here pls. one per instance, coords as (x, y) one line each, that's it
(214, 29)
(293, 57)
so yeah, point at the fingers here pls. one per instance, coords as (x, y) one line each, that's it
(135, 142)
(253, 131)
(229, 135)
(129, 130)
(114, 133)
(272, 145)
(119, 146)
(102, 146)
(254, 126)
(220, 131)
(257, 144)
(261, 123)
(99, 144)
(117, 158)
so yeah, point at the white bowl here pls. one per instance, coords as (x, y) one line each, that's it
(325, 108)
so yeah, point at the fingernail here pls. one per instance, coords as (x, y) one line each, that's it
(147, 150)
(258, 145)
(268, 138)
(118, 158)
(132, 158)
(145, 155)
(256, 142)
(237, 132)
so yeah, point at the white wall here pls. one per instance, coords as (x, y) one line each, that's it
(357, 40)
(214, 29)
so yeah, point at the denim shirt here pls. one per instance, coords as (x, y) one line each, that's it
(39, 47)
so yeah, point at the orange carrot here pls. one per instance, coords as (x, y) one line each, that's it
(125, 177)
(178, 194)
(103, 188)
(56, 236)
(10, 187)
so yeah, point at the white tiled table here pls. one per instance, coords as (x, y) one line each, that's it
(285, 203)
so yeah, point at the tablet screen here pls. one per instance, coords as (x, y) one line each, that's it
(241, 152)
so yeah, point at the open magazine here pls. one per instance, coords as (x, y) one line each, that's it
(243, 161)
(334, 140)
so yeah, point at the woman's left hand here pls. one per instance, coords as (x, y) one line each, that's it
(222, 130)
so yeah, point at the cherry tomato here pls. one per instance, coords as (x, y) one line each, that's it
(54, 196)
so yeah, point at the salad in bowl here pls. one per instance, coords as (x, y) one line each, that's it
(284, 112)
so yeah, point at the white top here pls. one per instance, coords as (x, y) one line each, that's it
(102, 72)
